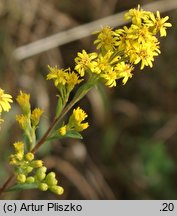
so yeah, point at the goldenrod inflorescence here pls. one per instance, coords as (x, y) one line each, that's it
(28, 120)
(75, 122)
(118, 52)
(121, 49)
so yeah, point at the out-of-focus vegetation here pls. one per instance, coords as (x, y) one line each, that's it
(130, 148)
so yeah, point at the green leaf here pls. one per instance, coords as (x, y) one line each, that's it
(73, 134)
(24, 186)
(69, 134)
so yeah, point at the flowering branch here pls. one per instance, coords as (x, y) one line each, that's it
(118, 52)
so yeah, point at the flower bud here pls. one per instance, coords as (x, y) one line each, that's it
(23, 101)
(12, 160)
(43, 186)
(22, 121)
(41, 173)
(50, 179)
(30, 179)
(28, 169)
(40, 176)
(57, 189)
(35, 116)
(19, 147)
(42, 169)
(19, 156)
(37, 163)
(62, 130)
(21, 178)
(29, 156)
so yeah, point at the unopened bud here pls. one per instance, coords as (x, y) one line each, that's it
(21, 178)
(30, 179)
(23, 101)
(37, 163)
(12, 160)
(57, 189)
(19, 156)
(42, 169)
(40, 176)
(50, 179)
(28, 169)
(62, 130)
(29, 156)
(43, 186)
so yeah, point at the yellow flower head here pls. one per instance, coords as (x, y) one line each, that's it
(85, 61)
(29, 156)
(110, 78)
(145, 54)
(83, 126)
(76, 120)
(19, 147)
(72, 79)
(105, 62)
(23, 101)
(22, 120)
(19, 152)
(15, 159)
(35, 116)
(79, 114)
(58, 75)
(159, 24)
(137, 15)
(63, 77)
(5, 100)
(124, 70)
(105, 39)
(62, 131)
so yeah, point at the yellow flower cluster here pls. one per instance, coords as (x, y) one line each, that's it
(121, 49)
(106, 39)
(22, 121)
(23, 100)
(25, 162)
(85, 61)
(32, 171)
(139, 42)
(64, 81)
(28, 120)
(5, 100)
(63, 78)
(75, 122)
(35, 116)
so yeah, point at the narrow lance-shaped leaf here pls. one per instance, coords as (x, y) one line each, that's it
(24, 186)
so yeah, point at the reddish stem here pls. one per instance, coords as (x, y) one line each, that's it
(6, 184)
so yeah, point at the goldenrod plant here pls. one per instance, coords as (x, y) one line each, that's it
(118, 52)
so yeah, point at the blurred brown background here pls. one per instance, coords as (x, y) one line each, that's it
(130, 149)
